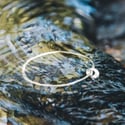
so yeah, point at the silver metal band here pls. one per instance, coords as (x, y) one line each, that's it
(91, 72)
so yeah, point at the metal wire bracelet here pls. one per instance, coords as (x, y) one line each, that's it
(90, 72)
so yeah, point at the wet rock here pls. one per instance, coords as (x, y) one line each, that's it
(3, 117)
(99, 101)
(110, 21)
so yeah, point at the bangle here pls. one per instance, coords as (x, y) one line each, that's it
(92, 72)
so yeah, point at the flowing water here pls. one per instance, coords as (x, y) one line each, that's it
(29, 28)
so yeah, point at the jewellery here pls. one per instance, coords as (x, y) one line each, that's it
(92, 72)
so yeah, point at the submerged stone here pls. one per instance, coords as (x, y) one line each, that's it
(99, 101)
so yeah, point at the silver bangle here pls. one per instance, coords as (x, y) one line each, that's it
(91, 72)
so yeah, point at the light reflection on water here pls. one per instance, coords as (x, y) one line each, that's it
(28, 28)
(21, 31)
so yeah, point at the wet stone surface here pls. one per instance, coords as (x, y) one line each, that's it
(110, 20)
(90, 102)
